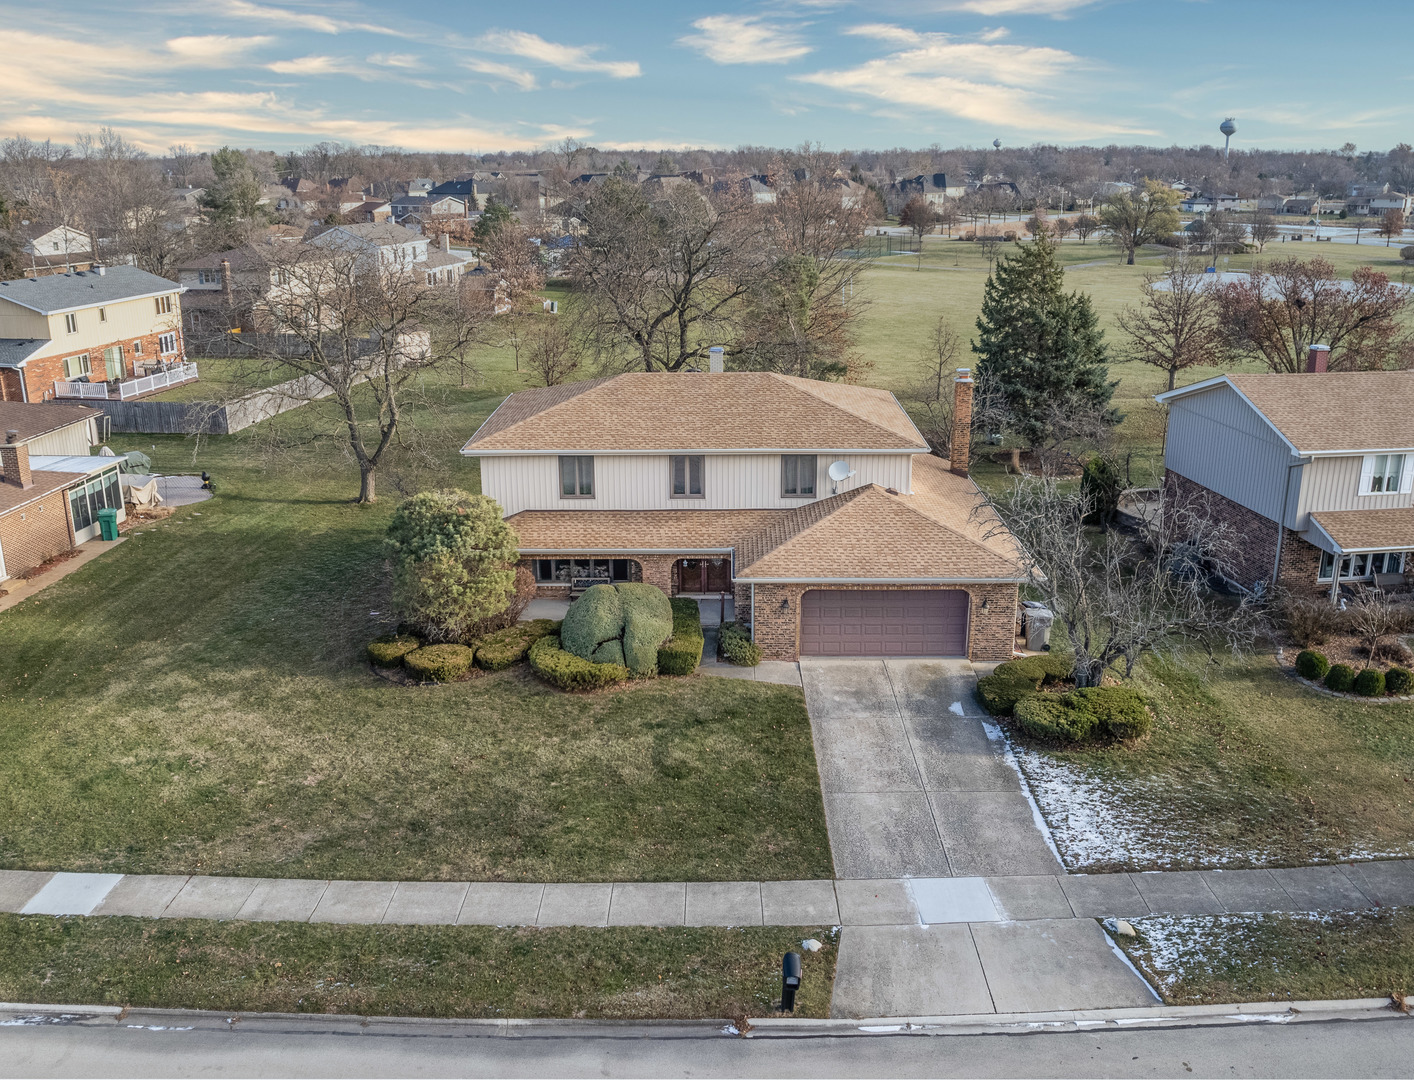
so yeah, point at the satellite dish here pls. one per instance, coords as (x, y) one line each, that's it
(839, 471)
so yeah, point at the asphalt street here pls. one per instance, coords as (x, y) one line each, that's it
(161, 1045)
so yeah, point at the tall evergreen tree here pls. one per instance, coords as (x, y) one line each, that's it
(1040, 348)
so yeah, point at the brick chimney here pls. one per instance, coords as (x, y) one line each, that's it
(1318, 359)
(226, 277)
(14, 462)
(960, 451)
(446, 241)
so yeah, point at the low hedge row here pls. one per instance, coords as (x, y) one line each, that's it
(568, 671)
(498, 651)
(388, 651)
(1342, 678)
(1089, 714)
(440, 663)
(682, 652)
(735, 646)
(1017, 679)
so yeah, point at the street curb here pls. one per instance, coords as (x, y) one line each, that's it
(1270, 1012)
(771, 1026)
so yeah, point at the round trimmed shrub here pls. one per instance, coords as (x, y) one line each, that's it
(388, 651)
(1407, 253)
(596, 617)
(1015, 679)
(736, 647)
(1370, 683)
(1312, 665)
(1120, 711)
(1341, 677)
(440, 663)
(498, 651)
(1398, 681)
(648, 623)
(1054, 718)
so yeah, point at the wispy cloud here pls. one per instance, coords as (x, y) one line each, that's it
(305, 20)
(565, 57)
(744, 39)
(1054, 8)
(500, 73)
(219, 50)
(1009, 86)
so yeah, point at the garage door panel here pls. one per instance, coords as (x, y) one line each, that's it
(884, 622)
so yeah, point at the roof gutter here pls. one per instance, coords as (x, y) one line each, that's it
(97, 303)
(469, 451)
(861, 580)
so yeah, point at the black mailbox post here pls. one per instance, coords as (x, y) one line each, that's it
(790, 980)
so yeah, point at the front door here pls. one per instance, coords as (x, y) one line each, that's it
(705, 575)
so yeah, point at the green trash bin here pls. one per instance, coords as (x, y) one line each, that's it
(108, 523)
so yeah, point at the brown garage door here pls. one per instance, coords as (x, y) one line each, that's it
(883, 622)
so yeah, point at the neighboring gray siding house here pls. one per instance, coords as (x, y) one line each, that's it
(1329, 455)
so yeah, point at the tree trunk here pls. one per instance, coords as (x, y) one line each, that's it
(1087, 673)
(1172, 373)
(366, 492)
(1016, 460)
(1130, 261)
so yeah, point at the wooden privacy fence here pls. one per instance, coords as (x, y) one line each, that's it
(207, 418)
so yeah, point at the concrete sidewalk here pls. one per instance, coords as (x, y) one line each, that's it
(847, 902)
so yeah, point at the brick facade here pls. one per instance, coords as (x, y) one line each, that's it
(991, 634)
(1257, 539)
(31, 533)
(10, 389)
(41, 373)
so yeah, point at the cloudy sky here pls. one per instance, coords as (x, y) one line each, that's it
(467, 75)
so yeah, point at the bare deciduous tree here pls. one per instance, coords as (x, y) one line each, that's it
(1263, 229)
(1176, 323)
(552, 351)
(333, 323)
(1277, 312)
(1120, 597)
(1086, 226)
(1372, 618)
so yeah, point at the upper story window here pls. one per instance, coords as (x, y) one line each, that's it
(576, 478)
(71, 322)
(798, 476)
(208, 277)
(1382, 474)
(103, 314)
(164, 305)
(687, 470)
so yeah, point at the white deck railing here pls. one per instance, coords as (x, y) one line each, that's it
(132, 388)
(173, 376)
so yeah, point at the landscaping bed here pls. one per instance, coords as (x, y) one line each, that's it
(1207, 959)
(1242, 768)
(622, 973)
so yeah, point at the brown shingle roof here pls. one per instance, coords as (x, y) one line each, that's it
(32, 419)
(1336, 410)
(44, 484)
(738, 410)
(1369, 530)
(869, 534)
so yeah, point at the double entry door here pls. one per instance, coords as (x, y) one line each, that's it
(705, 575)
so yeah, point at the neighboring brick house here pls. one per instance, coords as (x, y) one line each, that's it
(816, 506)
(106, 324)
(1328, 455)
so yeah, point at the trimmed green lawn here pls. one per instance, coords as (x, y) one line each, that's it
(219, 376)
(1244, 768)
(1207, 959)
(446, 971)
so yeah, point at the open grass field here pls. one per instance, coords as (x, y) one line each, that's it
(1210, 959)
(1245, 767)
(446, 971)
(220, 376)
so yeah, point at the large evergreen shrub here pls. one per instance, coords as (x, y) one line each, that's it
(682, 652)
(596, 617)
(648, 623)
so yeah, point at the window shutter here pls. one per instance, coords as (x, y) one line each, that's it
(1367, 472)
(1406, 476)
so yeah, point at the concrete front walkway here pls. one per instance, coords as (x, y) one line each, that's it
(913, 786)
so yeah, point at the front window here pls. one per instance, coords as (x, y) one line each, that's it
(1362, 565)
(137, 348)
(1385, 471)
(687, 472)
(565, 571)
(576, 478)
(76, 367)
(798, 476)
(167, 344)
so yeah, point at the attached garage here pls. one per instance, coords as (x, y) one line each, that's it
(883, 622)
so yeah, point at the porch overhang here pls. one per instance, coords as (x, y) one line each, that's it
(1355, 532)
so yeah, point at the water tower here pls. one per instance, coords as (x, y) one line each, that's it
(996, 144)
(1229, 128)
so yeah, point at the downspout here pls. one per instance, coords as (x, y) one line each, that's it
(1281, 525)
(753, 612)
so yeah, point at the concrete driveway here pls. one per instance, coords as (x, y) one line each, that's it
(913, 786)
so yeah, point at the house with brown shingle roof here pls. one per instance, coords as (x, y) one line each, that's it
(1314, 472)
(815, 506)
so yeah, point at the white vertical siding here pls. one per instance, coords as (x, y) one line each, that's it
(1218, 440)
(71, 441)
(641, 482)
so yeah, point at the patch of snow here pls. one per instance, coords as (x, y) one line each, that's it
(731, 1029)
(956, 709)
